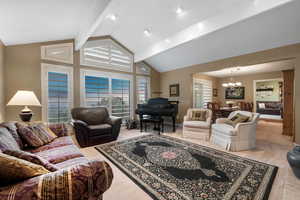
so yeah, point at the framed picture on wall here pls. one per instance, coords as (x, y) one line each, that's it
(235, 93)
(215, 92)
(174, 90)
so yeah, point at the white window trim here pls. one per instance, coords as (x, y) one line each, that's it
(110, 75)
(195, 80)
(149, 87)
(106, 66)
(45, 68)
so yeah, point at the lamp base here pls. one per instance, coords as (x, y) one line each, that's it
(26, 116)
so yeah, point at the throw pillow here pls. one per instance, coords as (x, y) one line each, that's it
(262, 106)
(198, 115)
(238, 118)
(31, 158)
(11, 126)
(35, 135)
(7, 141)
(59, 129)
(13, 169)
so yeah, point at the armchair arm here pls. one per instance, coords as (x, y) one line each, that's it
(246, 130)
(220, 120)
(208, 120)
(185, 118)
(244, 125)
(83, 181)
(77, 122)
(115, 122)
(81, 131)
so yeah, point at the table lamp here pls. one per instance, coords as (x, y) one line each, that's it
(24, 98)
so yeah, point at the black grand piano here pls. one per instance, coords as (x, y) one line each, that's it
(159, 107)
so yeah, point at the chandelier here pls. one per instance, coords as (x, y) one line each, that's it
(232, 83)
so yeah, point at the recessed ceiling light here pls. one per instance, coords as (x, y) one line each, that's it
(200, 25)
(167, 41)
(147, 32)
(112, 17)
(179, 11)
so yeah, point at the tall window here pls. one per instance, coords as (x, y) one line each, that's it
(120, 98)
(57, 98)
(202, 92)
(111, 90)
(143, 89)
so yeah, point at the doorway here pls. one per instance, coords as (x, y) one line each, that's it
(268, 98)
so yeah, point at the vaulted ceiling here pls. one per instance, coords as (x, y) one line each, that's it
(168, 34)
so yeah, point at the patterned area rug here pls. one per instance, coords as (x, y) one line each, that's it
(169, 168)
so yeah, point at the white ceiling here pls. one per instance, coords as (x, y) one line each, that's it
(29, 21)
(277, 27)
(253, 69)
(208, 30)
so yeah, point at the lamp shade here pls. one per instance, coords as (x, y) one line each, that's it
(24, 98)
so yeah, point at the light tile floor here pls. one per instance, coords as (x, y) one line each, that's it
(271, 148)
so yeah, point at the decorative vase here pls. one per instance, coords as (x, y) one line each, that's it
(293, 158)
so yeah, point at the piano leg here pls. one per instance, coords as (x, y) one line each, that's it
(141, 123)
(174, 120)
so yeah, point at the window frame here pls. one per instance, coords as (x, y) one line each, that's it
(110, 66)
(137, 84)
(110, 76)
(45, 69)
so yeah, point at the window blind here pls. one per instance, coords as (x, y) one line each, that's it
(202, 92)
(120, 98)
(142, 68)
(58, 98)
(143, 88)
(107, 54)
(96, 91)
(110, 90)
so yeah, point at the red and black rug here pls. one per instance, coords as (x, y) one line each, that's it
(169, 168)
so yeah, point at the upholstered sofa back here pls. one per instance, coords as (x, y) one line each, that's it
(91, 116)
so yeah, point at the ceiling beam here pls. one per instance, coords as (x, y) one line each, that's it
(93, 22)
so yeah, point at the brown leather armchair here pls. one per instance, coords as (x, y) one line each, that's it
(94, 126)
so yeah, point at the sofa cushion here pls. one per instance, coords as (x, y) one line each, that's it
(13, 169)
(58, 142)
(71, 162)
(100, 129)
(7, 141)
(35, 135)
(225, 129)
(60, 154)
(196, 124)
(31, 158)
(11, 126)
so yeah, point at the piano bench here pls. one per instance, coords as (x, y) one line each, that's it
(157, 121)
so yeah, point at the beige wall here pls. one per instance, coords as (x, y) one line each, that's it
(184, 76)
(2, 97)
(23, 72)
(247, 82)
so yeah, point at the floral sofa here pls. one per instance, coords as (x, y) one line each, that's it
(75, 178)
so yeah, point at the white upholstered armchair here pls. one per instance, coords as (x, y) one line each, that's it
(195, 128)
(238, 138)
